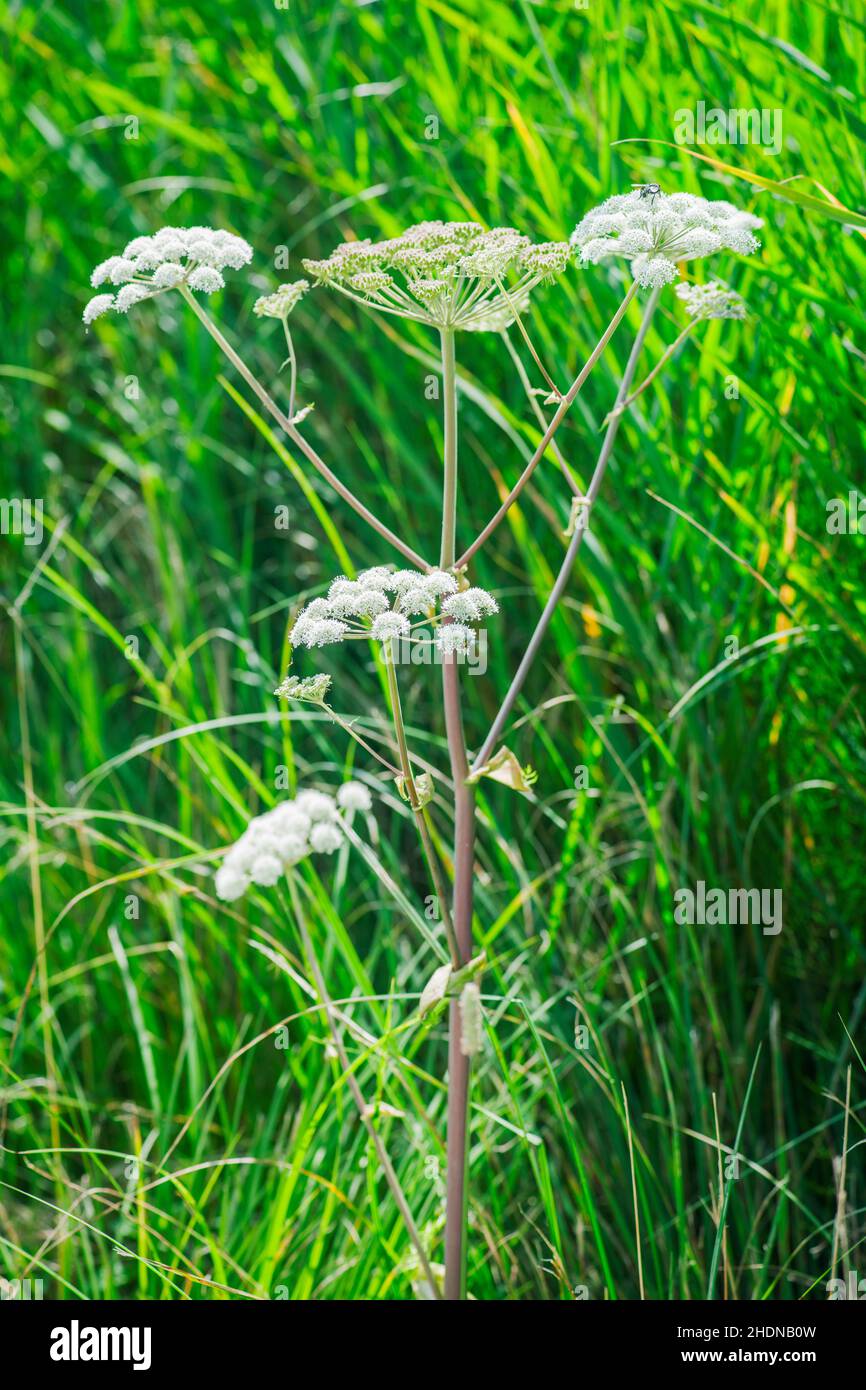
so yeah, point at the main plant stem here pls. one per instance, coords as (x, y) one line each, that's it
(464, 845)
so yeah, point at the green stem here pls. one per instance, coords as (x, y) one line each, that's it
(293, 369)
(665, 357)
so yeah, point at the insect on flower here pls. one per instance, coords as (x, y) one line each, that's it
(656, 231)
(648, 190)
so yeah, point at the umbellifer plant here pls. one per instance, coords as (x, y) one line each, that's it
(452, 277)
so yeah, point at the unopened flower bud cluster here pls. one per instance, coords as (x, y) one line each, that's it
(711, 301)
(281, 303)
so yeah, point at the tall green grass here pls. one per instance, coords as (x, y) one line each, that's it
(157, 1142)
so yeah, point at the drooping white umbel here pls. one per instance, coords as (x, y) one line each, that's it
(274, 841)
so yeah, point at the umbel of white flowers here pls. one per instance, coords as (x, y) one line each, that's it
(381, 603)
(173, 256)
(711, 301)
(654, 231)
(273, 842)
(450, 275)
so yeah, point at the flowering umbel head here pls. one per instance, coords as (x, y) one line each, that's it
(382, 604)
(173, 256)
(654, 232)
(450, 275)
(711, 301)
(273, 842)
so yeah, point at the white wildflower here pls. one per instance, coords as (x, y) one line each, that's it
(98, 305)
(470, 605)
(432, 586)
(313, 688)
(416, 598)
(173, 256)
(282, 837)
(354, 796)
(654, 232)
(455, 639)
(317, 806)
(351, 604)
(129, 295)
(375, 578)
(206, 279)
(325, 837)
(266, 869)
(108, 270)
(711, 301)
(389, 625)
(439, 583)
(230, 883)
(167, 275)
(349, 598)
(316, 632)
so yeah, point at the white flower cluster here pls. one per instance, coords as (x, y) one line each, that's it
(654, 232)
(273, 842)
(191, 256)
(711, 301)
(281, 303)
(388, 600)
(446, 274)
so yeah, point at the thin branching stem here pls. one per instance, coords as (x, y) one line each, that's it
(538, 412)
(647, 381)
(418, 810)
(560, 414)
(305, 447)
(574, 545)
(293, 368)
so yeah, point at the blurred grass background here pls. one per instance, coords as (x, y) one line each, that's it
(158, 1144)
